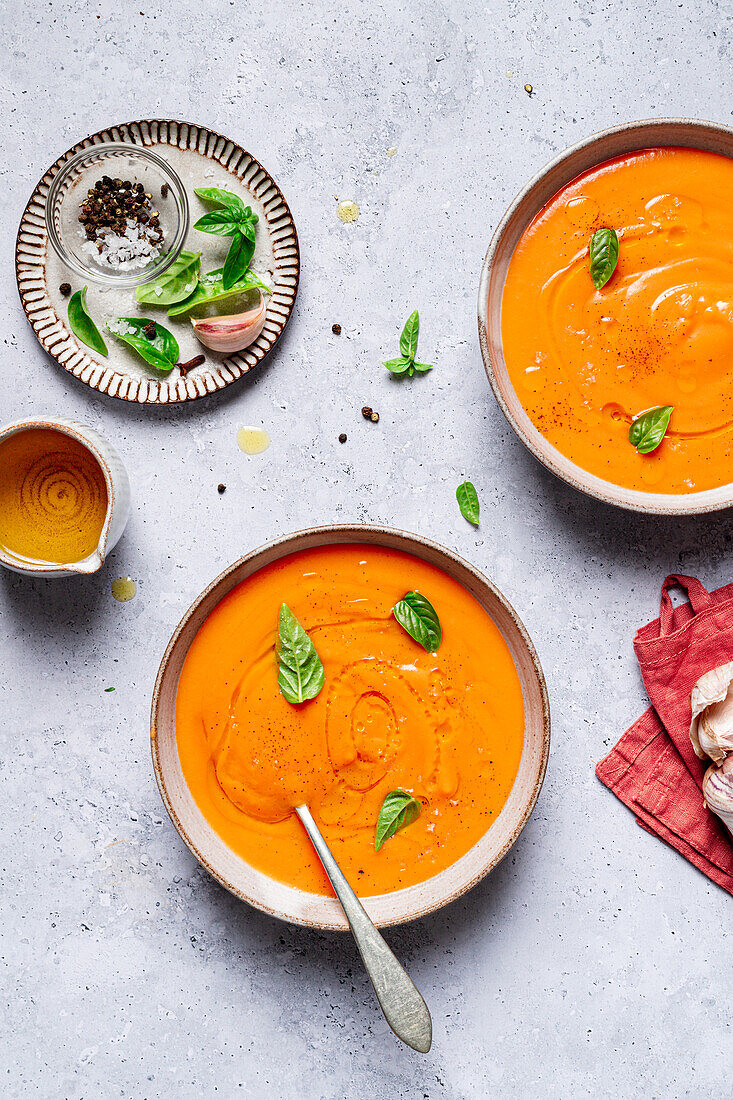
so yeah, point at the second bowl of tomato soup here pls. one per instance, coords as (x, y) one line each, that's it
(606, 316)
(373, 677)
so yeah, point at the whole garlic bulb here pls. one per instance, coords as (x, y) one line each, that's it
(717, 789)
(711, 731)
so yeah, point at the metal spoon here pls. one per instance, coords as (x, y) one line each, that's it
(404, 1009)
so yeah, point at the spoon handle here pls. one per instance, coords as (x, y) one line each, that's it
(400, 1001)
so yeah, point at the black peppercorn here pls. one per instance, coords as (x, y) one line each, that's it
(336, 330)
(221, 488)
(366, 412)
(164, 191)
(65, 289)
(342, 437)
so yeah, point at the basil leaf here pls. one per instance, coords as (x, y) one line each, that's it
(232, 217)
(301, 673)
(82, 325)
(398, 366)
(211, 289)
(467, 498)
(247, 224)
(603, 256)
(398, 810)
(648, 429)
(238, 260)
(408, 346)
(410, 333)
(418, 617)
(175, 284)
(218, 195)
(160, 350)
(221, 222)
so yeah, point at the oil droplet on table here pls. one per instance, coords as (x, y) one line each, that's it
(348, 211)
(123, 589)
(253, 441)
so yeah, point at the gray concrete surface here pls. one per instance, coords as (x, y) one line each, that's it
(594, 962)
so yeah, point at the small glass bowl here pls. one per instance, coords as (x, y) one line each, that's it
(120, 161)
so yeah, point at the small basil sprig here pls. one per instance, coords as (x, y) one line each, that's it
(231, 219)
(301, 674)
(175, 284)
(603, 256)
(211, 289)
(406, 363)
(160, 349)
(418, 617)
(398, 810)
(467, 498)
(82, 325)
(649, 428)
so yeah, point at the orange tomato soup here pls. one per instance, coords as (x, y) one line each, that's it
(447, 727)
(584, 362)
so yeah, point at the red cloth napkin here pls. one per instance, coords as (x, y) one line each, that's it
(653, 768)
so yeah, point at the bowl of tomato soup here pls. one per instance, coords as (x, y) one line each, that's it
(459, 728)
(606, 316)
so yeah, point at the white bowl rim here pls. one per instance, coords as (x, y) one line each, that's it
(668, 504)
(324, 912)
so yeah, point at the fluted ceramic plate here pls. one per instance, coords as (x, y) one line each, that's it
(202, 158)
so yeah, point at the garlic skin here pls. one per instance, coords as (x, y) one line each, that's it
(717, 789)
(233, 332)
(711, 731)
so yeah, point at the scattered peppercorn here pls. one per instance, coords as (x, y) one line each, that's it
(164, 191)
(336, 330)
(366, 412)
(65, 289)
(528, 89)
(221, 489)
(374, 418)
(149, 330)
(342, 437)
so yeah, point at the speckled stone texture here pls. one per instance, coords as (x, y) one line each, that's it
(595, 962)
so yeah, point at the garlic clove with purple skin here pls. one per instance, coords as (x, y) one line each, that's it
(717, 789)
(711, 731)
(231, 333)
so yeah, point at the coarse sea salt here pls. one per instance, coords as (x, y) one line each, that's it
(121, 328)
(126, 253)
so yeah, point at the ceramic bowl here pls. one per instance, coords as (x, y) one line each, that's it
(530, 200)
(79, 174)
(296, 905)
(118, 497)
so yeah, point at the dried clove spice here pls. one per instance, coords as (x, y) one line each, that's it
(197, 360)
